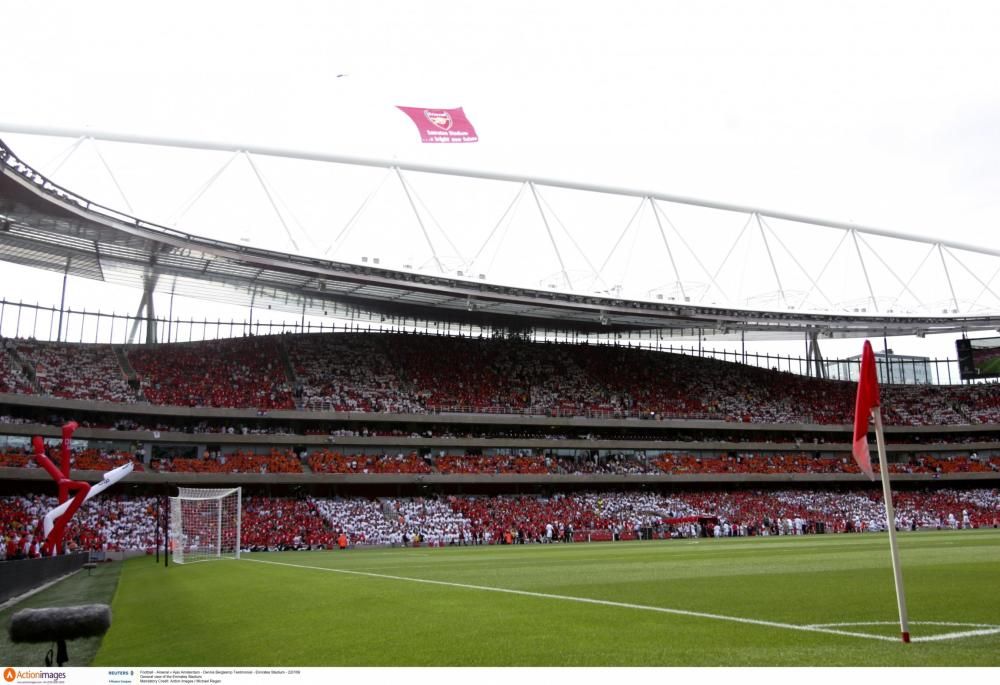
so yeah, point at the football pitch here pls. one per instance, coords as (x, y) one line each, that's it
(780, 601)
(990, 367)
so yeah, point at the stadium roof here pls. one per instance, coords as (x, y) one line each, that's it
(46, 226)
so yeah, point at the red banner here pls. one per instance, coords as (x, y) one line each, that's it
(442, 125)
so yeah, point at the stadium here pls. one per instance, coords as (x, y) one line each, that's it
(386, 461)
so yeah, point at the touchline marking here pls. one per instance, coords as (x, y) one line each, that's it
(955, 636)
(984, 629)
(588, 600)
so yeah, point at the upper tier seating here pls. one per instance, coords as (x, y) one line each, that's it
(376, 372)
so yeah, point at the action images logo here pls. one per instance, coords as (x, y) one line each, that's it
(10, 675)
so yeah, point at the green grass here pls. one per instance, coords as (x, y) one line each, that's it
(244, 613)
(991, 367)
(80, 588)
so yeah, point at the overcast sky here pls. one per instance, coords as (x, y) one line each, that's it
(882, 114)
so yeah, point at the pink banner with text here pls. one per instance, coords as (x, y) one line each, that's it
(442, 125)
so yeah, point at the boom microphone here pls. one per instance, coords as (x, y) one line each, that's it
(59, 624)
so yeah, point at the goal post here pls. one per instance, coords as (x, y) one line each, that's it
(205, 524)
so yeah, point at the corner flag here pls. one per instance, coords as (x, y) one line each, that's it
(868, 405)
(867, 399)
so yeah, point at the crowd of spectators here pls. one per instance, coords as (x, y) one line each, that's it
(16, 460)
(327, 461)
(12, 378)
(429, 520)
(613, 464)
(524, 518)
(408, 373)
(754, 463)
(100, 460)
(109, 522)
(277, 461)
(239, 372)
(283, 523)
(76, 371)
(748, 463)
(364, 521)
(498, 463)
(347, 373)
(118, 522)
(523, 462)
(84, 460)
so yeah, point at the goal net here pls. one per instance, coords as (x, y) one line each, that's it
(205, 524)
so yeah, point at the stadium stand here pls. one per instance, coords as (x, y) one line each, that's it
(284, 523)
(241, 372)
(11, 375)
(84, 460)
(616, 464)
(364, 521)
(429, 520)
(347, 373)
(496, 464)
(76, 371)
(371, 374)
(107, 523)
(96, 460)
(234, 462)
(325, 461)
(408, 373)
(121, 522)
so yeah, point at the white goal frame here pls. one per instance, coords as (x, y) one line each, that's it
(205, 524)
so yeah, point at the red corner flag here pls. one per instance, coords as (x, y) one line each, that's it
(867, 399)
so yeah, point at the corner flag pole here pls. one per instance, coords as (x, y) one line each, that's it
(868, 406)
(890, 517)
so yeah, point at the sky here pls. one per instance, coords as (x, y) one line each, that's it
(878, 114)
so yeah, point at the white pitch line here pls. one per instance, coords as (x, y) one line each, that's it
(984, 629)
(588, 600)
(955, 636)
(915, 623)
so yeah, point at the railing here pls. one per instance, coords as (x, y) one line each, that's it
(40, 322)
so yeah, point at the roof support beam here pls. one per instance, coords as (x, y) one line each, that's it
(618, 242)
(62, 301)
(666, 244)
(274, 205)
(186, 207)
(552, 239)
(65, 154)
(770, 257)
(510, 207)
(312, 155)
(951, 288)
(114, 179)
(864, 270)
(693, 253)
(146, 305)
(420, 221)
(813, 355)
(815, 285)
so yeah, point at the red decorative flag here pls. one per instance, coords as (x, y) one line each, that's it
(442, 125)
(867, 399)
